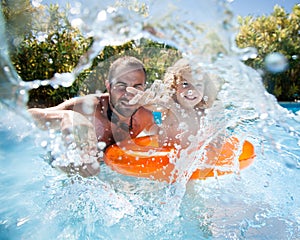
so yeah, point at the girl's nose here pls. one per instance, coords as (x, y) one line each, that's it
(190, 92)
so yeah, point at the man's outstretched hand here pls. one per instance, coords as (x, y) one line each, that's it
(81, 145)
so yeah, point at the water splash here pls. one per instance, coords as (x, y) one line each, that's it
(253, 203)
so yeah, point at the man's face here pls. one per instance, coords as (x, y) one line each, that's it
(119, 97)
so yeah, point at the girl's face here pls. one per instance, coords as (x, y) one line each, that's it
(189, 92)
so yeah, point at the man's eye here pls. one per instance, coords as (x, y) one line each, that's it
(120, 86)
(139, 87)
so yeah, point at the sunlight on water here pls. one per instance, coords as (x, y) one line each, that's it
(260, 202)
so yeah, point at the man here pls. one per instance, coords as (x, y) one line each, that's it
(105, 119)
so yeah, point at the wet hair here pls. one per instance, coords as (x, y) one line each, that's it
(124, 65)
(174, 76)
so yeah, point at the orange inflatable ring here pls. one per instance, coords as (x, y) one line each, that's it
(142, 157)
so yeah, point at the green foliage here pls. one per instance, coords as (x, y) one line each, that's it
(278, 32)
(18, 15)
(48, 44)
(55, 47)
(42, 54)
(155, 56)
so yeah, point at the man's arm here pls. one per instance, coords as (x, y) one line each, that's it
(78, 133)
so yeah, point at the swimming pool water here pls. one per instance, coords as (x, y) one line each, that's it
(292, 106)
(260, 202)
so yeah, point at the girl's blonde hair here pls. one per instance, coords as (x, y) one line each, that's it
(174, 76)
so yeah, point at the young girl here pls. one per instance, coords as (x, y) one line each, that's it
(192, 92)
(179, 102)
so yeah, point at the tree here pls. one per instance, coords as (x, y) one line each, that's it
(18, 15)
(54, 46)
(49, 48)
(278, 32)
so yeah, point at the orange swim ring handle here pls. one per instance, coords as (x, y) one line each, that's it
(142, 157)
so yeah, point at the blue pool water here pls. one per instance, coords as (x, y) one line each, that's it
(259, 202)
(291, 106)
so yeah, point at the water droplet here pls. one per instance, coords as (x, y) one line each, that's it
(77, 23)
(111, 9)
(21, 221)
(76, 9)
(44, 144)
(291, 163)
(101, 145)
(6, 69)
(44, 83)
(278, 146)
(276, 62)
(267, 184)
(151, 152)
(102, 16)
(248, 53)
(264, 116)
(41, 37)
(36, 3)
(35, 85)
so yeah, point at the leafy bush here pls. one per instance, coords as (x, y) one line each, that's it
(278, 32)
(41, 54)
(58, 49)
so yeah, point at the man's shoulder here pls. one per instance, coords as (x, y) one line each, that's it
(92, 98)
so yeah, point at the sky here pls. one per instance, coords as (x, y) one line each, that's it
(240, 7)
(260, 7)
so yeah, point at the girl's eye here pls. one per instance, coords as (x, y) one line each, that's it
(185, 84)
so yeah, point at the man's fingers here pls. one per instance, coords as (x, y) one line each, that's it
(157, 92)
(138, 95)
(133, 90)
(135, 99)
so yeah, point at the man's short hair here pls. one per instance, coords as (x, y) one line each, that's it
(124, 65)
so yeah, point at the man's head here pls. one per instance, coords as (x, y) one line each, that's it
(125, 72)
